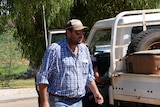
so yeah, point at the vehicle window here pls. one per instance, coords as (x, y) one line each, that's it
(138, 29)
(101, 39)
(57, 37)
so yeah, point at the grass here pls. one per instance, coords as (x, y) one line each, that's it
(23, 83)
(18, 69)
(10, 76)
(17, 80)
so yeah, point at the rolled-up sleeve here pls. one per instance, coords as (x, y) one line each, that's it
(90, 77)
(46, 67)
(91, 72)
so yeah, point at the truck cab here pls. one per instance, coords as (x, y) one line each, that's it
(129, 32)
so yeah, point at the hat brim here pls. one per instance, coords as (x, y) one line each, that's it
(79, 27)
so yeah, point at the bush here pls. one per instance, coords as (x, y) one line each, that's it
(6, 78)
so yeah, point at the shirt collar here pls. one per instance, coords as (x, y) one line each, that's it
(67, 45)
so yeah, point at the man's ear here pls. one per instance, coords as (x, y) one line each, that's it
(68, 32)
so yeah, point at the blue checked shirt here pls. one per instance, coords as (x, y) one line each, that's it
(65, 73)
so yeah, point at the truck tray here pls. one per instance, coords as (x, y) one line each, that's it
(144, 62)
(140, 88)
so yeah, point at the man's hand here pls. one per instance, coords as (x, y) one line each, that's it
(98, 98)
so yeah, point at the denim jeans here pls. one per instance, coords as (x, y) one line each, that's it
(60, 102)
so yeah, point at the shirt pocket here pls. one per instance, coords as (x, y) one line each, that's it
(85, 66)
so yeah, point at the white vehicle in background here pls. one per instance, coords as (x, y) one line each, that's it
(54, 36)
(125, 35)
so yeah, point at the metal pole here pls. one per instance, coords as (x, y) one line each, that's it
(45, 28)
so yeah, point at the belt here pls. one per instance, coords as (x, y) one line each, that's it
(65, 97)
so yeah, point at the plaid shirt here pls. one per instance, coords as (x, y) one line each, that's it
(65, 73)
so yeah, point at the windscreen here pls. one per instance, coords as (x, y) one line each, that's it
(101, 41)
(57, 37)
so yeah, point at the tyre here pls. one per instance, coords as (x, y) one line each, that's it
(146, 40)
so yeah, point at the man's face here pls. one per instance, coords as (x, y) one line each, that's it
(75, 36)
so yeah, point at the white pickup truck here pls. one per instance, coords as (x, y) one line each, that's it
(129, 32)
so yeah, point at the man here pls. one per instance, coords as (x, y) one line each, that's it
(66, 70)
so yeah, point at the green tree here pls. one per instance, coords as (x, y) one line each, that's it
(8, 53)
(92, 10)
(28, 18)
(3, 21)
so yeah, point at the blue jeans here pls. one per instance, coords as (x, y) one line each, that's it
(60, 102)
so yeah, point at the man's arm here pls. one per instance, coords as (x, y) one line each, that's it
(97, 96)
(43, 95)
(100, 79)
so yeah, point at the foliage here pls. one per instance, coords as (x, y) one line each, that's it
(91, 11)
(21, 83)
(3, 21)
(144, 4)
(28, 17)
(17, 73)
(8, 56)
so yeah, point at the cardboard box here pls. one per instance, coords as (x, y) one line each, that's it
(144, 62)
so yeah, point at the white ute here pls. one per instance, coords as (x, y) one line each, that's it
(127, 33)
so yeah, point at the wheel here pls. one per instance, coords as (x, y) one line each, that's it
(146, 40)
